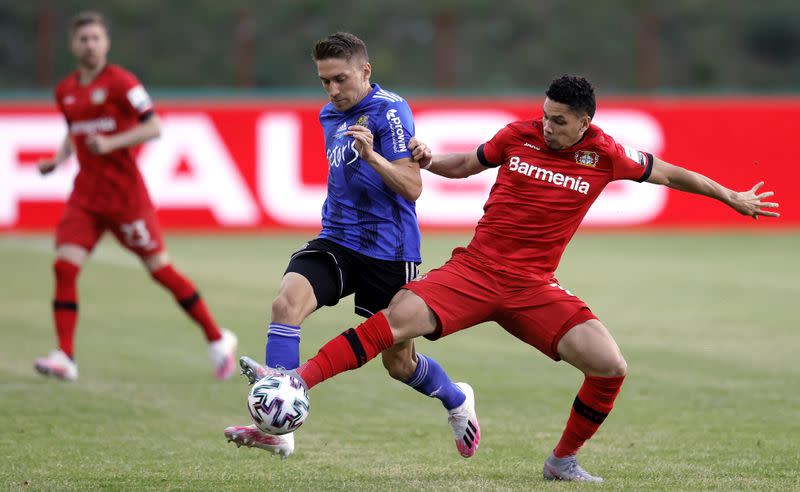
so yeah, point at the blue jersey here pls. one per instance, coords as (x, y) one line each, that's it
(361, 212)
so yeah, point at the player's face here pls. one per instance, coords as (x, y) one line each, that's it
(562, 126)
(345, 81)
(90, 45)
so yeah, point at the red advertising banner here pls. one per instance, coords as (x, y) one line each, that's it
(250, 165)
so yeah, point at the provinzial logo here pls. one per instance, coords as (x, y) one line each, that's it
(635, 155)
(139, 99)
(542, 174)
(397, 131)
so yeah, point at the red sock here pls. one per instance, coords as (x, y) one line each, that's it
(350, 350)
(187, 296)
(65, 303)
(591, 407)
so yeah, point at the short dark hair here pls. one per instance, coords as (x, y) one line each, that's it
(86, 17)
(340, 45)
(576, 92)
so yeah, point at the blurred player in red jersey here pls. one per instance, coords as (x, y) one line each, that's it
(550, 172)
(108, 114)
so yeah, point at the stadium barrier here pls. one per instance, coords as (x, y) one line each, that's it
(260, 164)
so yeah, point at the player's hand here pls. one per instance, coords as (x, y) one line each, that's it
(751, 202)
(420, 153)
(363, 139)
(99, 144)
(46, 166)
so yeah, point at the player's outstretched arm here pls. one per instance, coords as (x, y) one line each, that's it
(748, 202)
(46, 166)
(144, 131)
(456, 165)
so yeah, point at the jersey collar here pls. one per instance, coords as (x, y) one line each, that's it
(364, 102)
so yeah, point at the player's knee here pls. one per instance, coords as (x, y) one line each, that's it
(286, 309)
(409, 316)
(617, 367)
(281, 307)
(65, 270)
(156, 262)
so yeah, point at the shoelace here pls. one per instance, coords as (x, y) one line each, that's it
(574, 468)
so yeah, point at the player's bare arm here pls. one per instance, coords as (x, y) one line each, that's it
(749, 202)
(401, 175)
(455, 165)
(144, 131)
(46, 166)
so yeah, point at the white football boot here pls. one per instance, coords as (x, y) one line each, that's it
(254, 371)
(222, 353)
(464, 422)
(568, 469)
(58, 365)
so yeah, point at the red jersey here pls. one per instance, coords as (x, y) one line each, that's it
(541, 195)
(114, 101)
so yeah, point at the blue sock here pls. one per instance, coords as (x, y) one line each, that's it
(283, 346)
(431, 380)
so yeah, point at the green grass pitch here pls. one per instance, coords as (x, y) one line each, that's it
(707, 323)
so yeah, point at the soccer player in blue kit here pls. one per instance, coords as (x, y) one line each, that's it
(370, 240)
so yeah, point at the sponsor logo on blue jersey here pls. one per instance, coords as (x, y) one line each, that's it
(398, 134)
(342, 154)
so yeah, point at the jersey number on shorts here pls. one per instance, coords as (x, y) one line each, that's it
(136, 234)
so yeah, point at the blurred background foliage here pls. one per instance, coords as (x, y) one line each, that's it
(457, 47)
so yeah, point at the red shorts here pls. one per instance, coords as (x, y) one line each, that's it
(137, 230)
(465, 292)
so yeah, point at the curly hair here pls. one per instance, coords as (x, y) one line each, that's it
(340, 45)
(576, 92)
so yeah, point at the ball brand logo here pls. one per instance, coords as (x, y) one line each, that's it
(535, 172)
(398, 134)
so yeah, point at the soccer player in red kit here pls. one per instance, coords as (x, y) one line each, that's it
(550, 172)
(108, 114)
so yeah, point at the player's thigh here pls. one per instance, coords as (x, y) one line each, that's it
(541, 314)
(138, 231)
(315, 269)
(460, 294)
(377, 281)
(77, 232)
(590, 347)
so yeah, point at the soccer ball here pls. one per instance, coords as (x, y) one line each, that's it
(278, 404)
